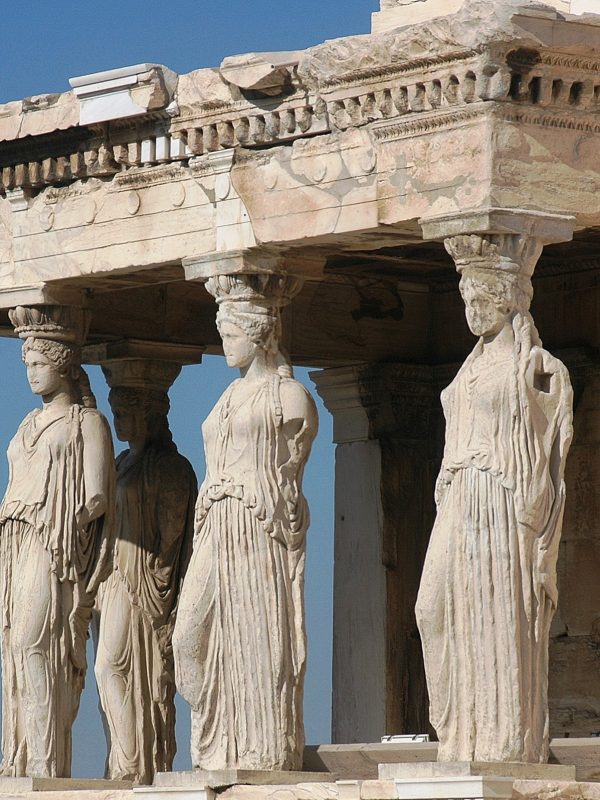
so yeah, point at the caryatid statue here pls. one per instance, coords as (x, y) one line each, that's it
(488, 591)
(239, 641)
(156, 495)
(56, 526)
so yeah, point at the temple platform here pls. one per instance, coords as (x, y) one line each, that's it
(361, 761)
(374, 771)
(22, 786)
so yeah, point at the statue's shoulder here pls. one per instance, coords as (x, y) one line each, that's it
(297, 402)
(172, 465)
(29, 417)
(93, 420)
(291, 389)
(172, 461)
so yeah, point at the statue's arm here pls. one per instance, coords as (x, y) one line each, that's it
(98, 463)
(300, 420)
(548, 378)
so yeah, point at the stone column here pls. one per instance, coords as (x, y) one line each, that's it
(574, 689)
(385, 464)
(242, 601)
(155, 500)
(488, 591)
(56, 526)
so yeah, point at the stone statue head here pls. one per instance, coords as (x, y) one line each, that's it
(249, 329)
(492, 297)
(140, 415)
(55, 365)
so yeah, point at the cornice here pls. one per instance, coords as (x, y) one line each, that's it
(397, 101)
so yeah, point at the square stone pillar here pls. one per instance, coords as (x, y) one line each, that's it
(574, 687)
(386, 462)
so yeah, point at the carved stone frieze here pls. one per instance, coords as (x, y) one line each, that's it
(398, 97)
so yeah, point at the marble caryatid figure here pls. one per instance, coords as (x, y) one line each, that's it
(488, 591)
(239, 641)
(156, 495)
(56, 525)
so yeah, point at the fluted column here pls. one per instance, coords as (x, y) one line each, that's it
(385, 435)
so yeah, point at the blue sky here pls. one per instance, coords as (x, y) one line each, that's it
(45, 43)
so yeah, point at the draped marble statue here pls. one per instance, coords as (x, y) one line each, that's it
(156, 494)
(488, 591)
(239, 641)
(56, 523)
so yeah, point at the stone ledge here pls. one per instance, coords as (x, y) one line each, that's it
(458, 769)
(25, 785)
(220, 778)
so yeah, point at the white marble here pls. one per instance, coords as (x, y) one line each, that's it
(488, 590)
(56, 525)
(239, 640)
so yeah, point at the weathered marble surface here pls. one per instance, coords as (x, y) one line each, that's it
(488, 591)
(415, 122)
(156, 494)
(239, 640)
(57, 524)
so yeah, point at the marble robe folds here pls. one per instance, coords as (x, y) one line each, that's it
(240, 648)
(156, 495)
(488, 592)
(44, 546)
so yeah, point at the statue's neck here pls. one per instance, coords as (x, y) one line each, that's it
(500, 342)
(58, 401)
(258, 370)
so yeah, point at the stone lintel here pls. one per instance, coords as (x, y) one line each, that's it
(546, 228)
(362, 761)
(457, 769)
(221, 778)
(125, 349)
(175, 792)
(41, 294)
(400, 13)
(409, 12)
(250, 262)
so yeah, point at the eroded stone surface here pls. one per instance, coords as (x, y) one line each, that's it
(500, 500)
(242, 604)
(156, 494)
(57, 521)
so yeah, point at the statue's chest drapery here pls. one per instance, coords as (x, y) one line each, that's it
(37, 447)
(475, 406)
(235, 433)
